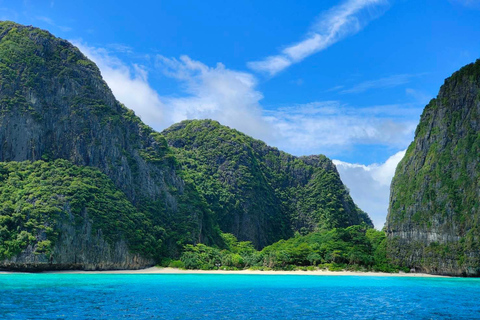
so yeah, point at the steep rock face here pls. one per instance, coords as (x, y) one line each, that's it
(434, 216)
(258, 192)
(55, 215)
(55, 105)
(78, 248)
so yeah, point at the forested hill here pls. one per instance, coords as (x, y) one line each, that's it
(257, 192)
(85, 184)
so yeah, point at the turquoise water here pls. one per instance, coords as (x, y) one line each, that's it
(100, 296)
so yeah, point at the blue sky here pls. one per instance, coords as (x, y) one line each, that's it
(347, 79)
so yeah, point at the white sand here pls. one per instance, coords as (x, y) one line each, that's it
(157, 270)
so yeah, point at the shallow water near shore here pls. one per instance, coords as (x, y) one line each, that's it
(218, 296)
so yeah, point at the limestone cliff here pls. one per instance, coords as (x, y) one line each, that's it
(433, 223)
(258, 192)
(78, 248)
(55, 215)
(54, 104)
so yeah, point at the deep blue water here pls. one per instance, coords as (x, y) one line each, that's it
(100, 296)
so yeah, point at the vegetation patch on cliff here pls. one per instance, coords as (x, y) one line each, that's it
(35, 196)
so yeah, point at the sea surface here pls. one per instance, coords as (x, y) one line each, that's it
(200, 296)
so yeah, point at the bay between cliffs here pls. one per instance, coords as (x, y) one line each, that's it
(178, 294)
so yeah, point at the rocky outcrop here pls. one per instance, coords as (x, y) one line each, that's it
(55, 215)
(79, 247)
(258, 192)
(433, 223)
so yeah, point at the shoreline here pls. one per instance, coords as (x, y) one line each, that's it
(159, 270)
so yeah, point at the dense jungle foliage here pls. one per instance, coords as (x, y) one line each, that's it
(357, 248)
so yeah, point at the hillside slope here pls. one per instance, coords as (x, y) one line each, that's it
(258, 192)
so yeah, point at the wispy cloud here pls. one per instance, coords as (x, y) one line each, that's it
(370, 185)
(418, 96)
(209, 92)
(387, 82)
(119, 47)
(49, 21)
(473, 4)
(232, 98)
(332, 26)
(336, 88)
(331, 127)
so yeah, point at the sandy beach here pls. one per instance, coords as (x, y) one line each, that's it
(157, 270)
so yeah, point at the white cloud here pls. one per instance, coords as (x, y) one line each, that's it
(336, 88)
(119, 47)
(473, 4)
(271, 65)
(370, 185)
(330, 127)
(49, 21)
(387, 82)
(419, 97)
(232, 98)
(332, 26)
(129, 84)
(215, 93)
(218, 93)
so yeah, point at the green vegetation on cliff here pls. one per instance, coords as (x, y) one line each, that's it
(55, 105)
(434, 215)
(258, 192)
(36, 196)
